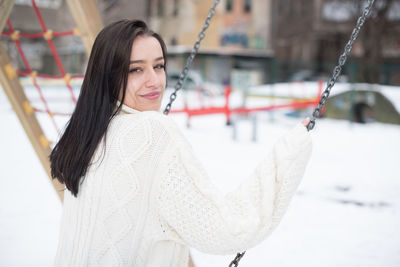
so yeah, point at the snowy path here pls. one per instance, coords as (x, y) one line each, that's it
(346, 213)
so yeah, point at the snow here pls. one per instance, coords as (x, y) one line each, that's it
(346, 212)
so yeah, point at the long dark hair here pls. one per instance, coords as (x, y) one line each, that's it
(106, 73)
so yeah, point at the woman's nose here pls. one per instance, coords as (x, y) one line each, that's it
(153, 79)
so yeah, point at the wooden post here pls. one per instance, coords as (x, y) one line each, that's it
(25, 112)
(88, 23)
(87, 19)
(5, 10)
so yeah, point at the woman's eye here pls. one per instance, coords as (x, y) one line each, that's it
(160, 66)
(135, 70)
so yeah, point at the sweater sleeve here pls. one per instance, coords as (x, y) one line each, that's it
(205, 219)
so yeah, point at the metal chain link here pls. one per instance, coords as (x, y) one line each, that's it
(236, 260)
(338, 69)
(190, 59)
(324, 97)
(182, 78)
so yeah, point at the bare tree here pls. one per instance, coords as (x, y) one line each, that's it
(379, 28)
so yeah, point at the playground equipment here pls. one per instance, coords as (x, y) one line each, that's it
(88, 24)
(290, 102)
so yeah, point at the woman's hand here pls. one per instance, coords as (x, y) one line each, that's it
(305, 122)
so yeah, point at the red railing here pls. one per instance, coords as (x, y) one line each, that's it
(296, 104)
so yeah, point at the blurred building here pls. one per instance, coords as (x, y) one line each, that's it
(310, 35)
(237, 47)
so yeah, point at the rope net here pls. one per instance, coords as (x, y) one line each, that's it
(48, 35)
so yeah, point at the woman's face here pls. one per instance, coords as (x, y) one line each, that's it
(146, 79)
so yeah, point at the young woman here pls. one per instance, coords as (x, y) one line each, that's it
(137, 195)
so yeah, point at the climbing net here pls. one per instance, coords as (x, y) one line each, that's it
(48, 35)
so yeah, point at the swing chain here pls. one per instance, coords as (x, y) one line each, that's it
(236, 260)
(338, 69)
(317, 112)
(190, 59)
(181, 79)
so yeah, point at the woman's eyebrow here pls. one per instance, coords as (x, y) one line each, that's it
(142, 61)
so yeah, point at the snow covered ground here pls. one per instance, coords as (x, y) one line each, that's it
(346, 212)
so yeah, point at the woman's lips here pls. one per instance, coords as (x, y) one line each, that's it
(152, 95)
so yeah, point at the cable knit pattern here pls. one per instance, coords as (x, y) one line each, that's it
(146, 198)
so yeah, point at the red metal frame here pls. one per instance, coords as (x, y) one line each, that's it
(228, 111)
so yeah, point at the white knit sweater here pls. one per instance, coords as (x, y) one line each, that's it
(149, 199)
